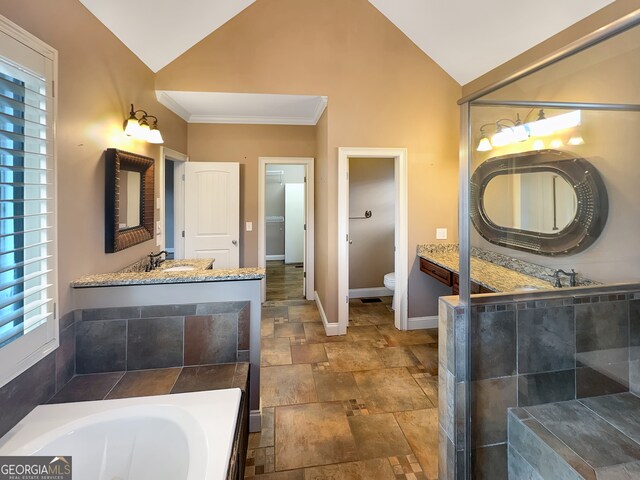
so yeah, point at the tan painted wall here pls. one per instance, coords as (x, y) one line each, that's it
(602, 17)
(383, 92)
(244, 144)
(371, 187)
(98, 79)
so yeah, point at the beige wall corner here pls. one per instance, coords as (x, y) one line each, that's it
(590, 24)
(98, 79)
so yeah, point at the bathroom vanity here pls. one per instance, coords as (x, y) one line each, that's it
(491, 272)
(175, 292)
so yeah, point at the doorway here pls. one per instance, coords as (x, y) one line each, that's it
(347, 228)
(171, 219)
(285, 227)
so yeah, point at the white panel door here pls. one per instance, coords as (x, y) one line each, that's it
(294, 222)
(212, 212)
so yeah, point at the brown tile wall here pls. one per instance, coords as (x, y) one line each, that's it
(129, 338)
(142, 338)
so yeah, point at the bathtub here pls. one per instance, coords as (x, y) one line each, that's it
(186, 436)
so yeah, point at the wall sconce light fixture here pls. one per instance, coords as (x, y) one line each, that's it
(518, 132)
(137, 126)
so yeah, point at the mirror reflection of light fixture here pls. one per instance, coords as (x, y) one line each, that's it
(518, 132)
(538, 145)
(138, 126)
(556, 143)
(576, 140)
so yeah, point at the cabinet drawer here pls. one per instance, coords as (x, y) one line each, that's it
(441, 274)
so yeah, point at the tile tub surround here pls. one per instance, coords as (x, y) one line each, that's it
(589, 438)
(42, 381)
(532, 349)
(135, 274)
(495, 271)
(161, 336)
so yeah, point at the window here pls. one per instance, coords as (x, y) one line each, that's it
(28, 295)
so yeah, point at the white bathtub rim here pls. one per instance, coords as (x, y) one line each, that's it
(193, 410)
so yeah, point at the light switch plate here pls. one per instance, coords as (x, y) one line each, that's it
(441, 233)
(249, 226)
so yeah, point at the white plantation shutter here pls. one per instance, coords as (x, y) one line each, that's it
(27, 202)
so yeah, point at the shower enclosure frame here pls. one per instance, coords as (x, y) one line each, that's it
(463, 393)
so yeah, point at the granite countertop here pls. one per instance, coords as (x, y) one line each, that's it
(135, 274)
(486, 273)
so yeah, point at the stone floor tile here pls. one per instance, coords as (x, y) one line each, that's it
(304, 313)
(314, 333)
(397, 357)
(348, 357)
(420, 427)
(308, 353)
(390, 390)
(376, 469)
(289, 329)
(267, 328)
(275, 351)
(332, 386)
(428, 357)
(287, 385)
(313, 434)
(378, 436)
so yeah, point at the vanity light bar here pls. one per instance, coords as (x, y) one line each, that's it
(507, 135)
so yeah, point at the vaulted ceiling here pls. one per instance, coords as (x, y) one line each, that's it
(465, 37)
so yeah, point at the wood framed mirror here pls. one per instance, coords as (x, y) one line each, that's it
(128, 199)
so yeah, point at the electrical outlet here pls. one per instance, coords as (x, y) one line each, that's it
(249, 226)
(441, 233)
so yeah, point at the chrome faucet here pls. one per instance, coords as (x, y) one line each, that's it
(155, 260)
(572, 278)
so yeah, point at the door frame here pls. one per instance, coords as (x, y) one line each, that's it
(309, 261)
(179, 160)
(401, 263)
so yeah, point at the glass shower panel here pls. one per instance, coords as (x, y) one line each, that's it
(552, 355)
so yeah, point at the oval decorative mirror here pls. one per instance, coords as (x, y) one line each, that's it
(546, 202)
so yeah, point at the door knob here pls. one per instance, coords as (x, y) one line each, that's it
(235, 242)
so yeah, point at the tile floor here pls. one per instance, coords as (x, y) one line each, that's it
(284, 282)
(359, 406)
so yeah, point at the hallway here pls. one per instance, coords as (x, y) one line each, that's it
(360, 406)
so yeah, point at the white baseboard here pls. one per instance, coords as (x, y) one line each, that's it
(274, 257)
(417, 323)
(330, 329)
(370, 292)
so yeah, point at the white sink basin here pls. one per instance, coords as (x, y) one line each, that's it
(181, 268)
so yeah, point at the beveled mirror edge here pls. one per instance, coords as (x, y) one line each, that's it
(592, 202)
(116, 239)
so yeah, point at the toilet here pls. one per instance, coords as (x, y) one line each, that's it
(390, 283)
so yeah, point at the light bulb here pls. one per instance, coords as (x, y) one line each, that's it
(131, 127)
(538, 145)
(556, 143)
(576, 140)
(484, 145)
(155, 136)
